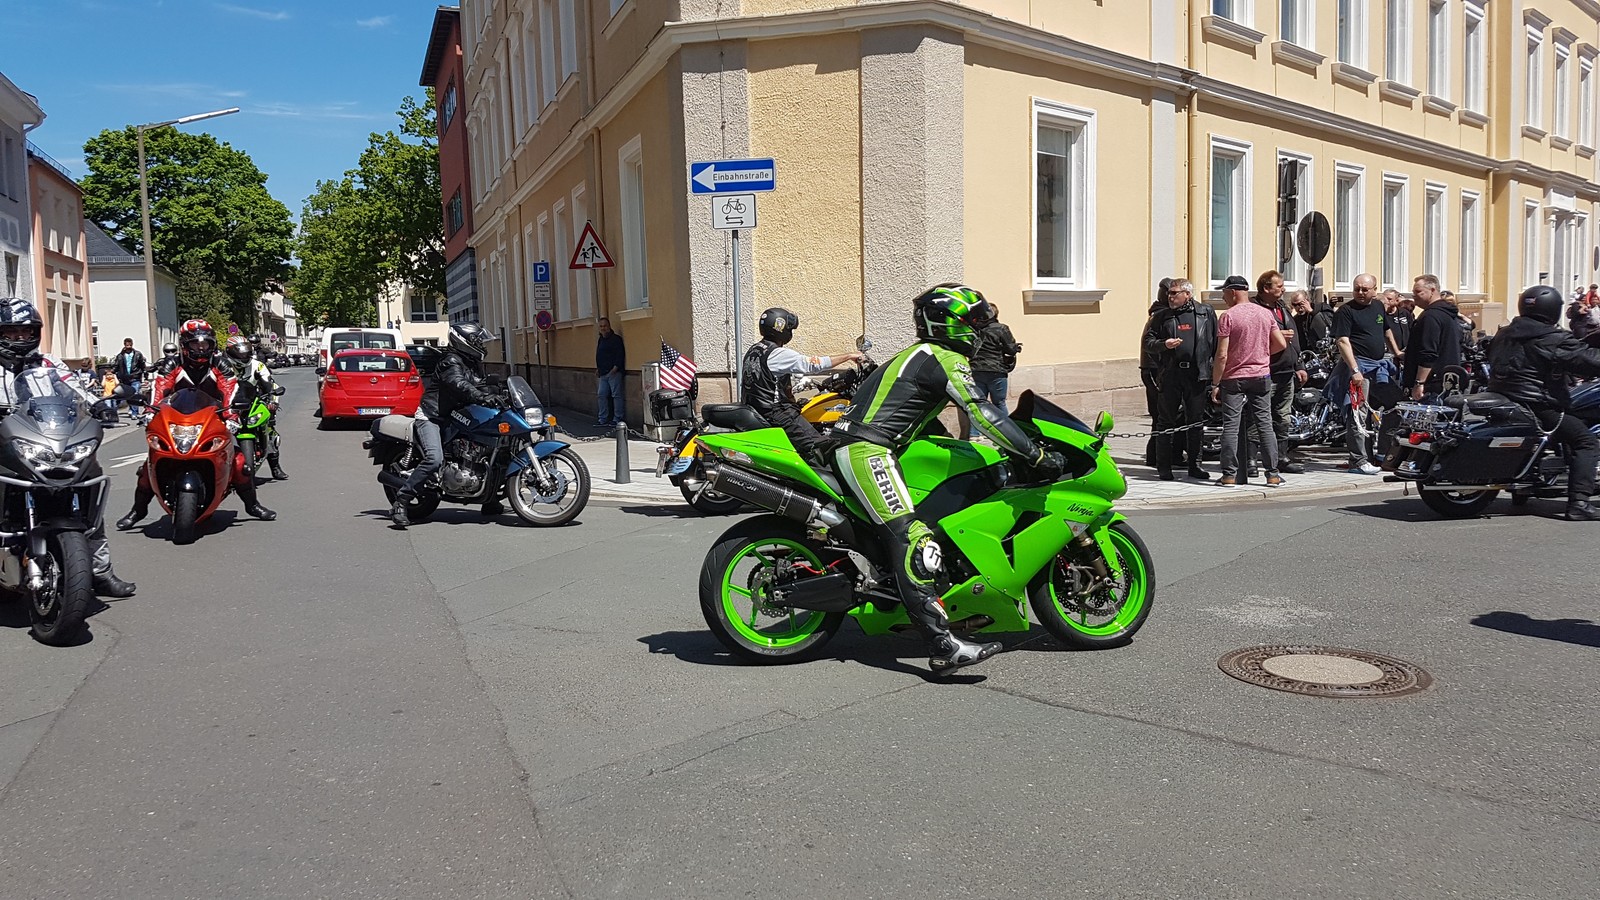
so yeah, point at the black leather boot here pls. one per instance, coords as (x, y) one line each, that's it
(108, 585)
(252, 505)
(1579, 509)
(493, 508)
(141, 505)
(948, 653)
(277, 470)
(397, 512)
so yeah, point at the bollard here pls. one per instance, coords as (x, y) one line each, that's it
(623, 461)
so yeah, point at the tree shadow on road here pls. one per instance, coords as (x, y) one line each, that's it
(702, 648)
(1582, 632)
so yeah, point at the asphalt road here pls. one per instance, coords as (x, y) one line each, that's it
(323, 706)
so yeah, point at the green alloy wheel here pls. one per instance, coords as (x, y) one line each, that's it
(735, 590)
(1096, 618)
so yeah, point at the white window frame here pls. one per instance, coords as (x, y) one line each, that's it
(1350, 33)
(530, 68)
(1297, 272)
(1470, 276)
(1585, 98)
(1474, 58)
(1299, 28)
(1435, 229)
(1561, 95)
(1239, 253)
(583, 290)
(528, 259)
(566, 242)
(1081, 168)
(1533, 80)
(569, 39)
(1350, 229)
(1240, 11)
(1397, 41)
(1396, 246)
(1439, 49)
(547, 52)
(1530, 243)
(635, 236)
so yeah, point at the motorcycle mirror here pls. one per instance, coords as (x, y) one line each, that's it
(279, 391)
(863, 344)
(1103, 424)
(322, 370)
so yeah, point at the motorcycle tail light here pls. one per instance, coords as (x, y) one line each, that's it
(1418, 437)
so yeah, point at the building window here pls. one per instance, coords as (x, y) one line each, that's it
(1533, 96)
(447, 108)
(1397, 42)
(455, 214)
(1230, 206)
(1472, 59)
(1433, 230)
(569, 39)
(1352, 33)
(1295, 18)
(1530, 244)
(1561, 122)
(1294, 201)
(12, 268)
(1237, 10)
(635, 252)
(1349, 217)
(547, 50)
(530, 67)
(424, 307)
(1586, 101)
(1064, 210)
(1471, 276)
(1394, 230)
(1439, 49)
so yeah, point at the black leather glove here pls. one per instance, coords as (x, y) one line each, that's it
(1047, 465)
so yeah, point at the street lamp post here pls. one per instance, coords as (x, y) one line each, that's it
(144, 214)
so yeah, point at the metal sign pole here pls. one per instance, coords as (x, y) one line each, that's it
(738, 327)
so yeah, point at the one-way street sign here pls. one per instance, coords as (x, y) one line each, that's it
(732, 176)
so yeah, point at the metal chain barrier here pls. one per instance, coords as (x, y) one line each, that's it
(1162, 433)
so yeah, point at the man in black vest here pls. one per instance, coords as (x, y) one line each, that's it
(768, 373)
(1182, 340)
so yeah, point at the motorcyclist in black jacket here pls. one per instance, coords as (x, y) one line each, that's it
(458, 381)
(1529, 362)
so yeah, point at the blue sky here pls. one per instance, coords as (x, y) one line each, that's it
(312, 79)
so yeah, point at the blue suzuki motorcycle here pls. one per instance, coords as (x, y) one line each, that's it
(488, 453)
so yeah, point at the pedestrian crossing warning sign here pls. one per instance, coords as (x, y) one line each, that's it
(590, 253)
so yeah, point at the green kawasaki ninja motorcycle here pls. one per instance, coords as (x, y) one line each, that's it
(776, 587)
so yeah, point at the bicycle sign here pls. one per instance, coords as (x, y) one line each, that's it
(732, 212)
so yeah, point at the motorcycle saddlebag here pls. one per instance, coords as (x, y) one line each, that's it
(1487, 454)
(671, 406)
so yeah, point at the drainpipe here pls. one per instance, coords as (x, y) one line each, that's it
(1197, 164)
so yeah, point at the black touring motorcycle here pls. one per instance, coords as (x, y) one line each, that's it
(1463, 451)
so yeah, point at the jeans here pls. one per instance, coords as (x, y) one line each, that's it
(1239, 397)
(426, 434)
(991, 387)
(1381, 378)
(608, 397)
(1284, 386)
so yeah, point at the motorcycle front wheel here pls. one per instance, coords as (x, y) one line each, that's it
(252, 459)
(1458, 504)
(418, 508)
(59, 610)
(560, 501)
(185, 515)
(1085, 616)
(735, 584)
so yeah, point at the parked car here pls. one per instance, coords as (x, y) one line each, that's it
(424, 356)
(368, 384)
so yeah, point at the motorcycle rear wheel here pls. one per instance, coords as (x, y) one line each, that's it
(1458, 504)
(60, 622)
(731, 595)
(709, 502)
(418, 508)
(1056, 600)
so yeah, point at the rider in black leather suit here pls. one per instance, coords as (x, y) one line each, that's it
(1529, 361)
(458, 381)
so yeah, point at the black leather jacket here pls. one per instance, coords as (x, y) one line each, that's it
(1164, 325)
(455, 384)
(1529, 362)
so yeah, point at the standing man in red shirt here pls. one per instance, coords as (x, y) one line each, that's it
(1241, 378)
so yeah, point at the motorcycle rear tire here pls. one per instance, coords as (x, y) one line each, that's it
(185, 516)
(420, 507)
(63, 624)
(1455, 505)
(718, 600)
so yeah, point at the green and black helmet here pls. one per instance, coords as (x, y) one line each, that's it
(949, 315)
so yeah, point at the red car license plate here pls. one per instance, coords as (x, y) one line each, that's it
(373, 411)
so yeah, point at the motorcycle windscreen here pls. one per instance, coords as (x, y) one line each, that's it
(54, 407)
(190, 401)
(522, 395)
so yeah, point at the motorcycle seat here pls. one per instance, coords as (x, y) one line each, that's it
(736, 416)
(1489, 405)
(396, 427)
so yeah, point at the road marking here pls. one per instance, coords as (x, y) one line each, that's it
(128, 460)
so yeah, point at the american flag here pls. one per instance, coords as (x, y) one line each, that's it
(677, 370)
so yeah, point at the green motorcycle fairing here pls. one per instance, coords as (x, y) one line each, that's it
(1006, 533)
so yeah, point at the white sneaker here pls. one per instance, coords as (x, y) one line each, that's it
(1365, 468)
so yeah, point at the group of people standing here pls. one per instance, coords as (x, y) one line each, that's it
(1248, 361)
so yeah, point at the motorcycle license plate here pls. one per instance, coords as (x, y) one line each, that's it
(663, 454)
(373, 411)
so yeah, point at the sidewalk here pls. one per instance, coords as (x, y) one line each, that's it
(1324, 475)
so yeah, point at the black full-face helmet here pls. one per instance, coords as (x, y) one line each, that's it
(20, 327)
(778, 324)
(470, 340)
(1541, 302)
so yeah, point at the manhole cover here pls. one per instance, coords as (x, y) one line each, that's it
(1325, 671)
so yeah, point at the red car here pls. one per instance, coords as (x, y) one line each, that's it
(367, 384)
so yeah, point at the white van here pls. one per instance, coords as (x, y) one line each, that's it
(355, 337)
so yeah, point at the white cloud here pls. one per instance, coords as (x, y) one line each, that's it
(282, 109)
(182, 90)
(271, 15)
(375, 21)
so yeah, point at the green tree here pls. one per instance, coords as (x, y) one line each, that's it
(201, 298)
(378, 225)
(209, 207)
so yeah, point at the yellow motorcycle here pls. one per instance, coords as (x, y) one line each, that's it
(679, 461)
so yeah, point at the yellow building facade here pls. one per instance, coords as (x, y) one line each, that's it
(1060, 155)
